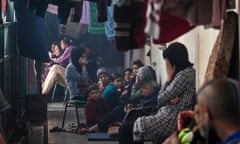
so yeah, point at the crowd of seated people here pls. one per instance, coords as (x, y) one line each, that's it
(112, 98)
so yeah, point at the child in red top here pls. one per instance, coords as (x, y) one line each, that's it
(96, 107)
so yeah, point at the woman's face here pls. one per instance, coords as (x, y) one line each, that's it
(57, 50)
(53, 48)
(83, 59)
(63, 45)
(135, 69)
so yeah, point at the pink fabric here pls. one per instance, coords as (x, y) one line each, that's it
(4, 4)
(52, 9)
(84, 18)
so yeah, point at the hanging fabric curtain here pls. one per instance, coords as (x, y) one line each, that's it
(30, 33)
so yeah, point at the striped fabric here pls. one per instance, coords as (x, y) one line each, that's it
(129, 24)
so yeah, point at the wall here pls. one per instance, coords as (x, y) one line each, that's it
(199, 42)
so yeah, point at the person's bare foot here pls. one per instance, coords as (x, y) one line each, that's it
(81, 131)
(93, 128)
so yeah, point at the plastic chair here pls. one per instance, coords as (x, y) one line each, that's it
(72, 103)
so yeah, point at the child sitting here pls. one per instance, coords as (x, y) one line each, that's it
(96, 107)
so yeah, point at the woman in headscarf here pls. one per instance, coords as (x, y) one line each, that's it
(180, 85)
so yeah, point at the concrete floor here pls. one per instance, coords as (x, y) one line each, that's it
(55, 113)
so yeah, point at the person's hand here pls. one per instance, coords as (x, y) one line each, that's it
(137, 80)
(50, 54)
(128, 108)
(170, 70)
(124, 92)
(174, 101)
(172, 139)
(83, 60)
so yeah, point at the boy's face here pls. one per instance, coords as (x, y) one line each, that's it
(117, 82)
(127, 76)
(146, 90)
(95, 94)
(104, 78)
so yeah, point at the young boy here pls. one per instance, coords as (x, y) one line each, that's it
(96, 107)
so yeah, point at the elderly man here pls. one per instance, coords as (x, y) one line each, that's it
(218, 109)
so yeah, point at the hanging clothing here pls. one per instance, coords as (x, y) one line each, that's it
(3, 6)
(94, 26)
(77, 11)
(129, 22)
(84, 18)
(166, 20)
(171, 27)
(39, 5)
(31, 33)
(109, 25)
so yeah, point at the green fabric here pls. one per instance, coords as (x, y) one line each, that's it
(135, 93)
(78, 101)
(94, 26)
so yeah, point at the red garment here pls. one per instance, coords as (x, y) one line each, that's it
(3, 6)
(171, 27)
(138, 32)
(95, 110)
(182, 117)
(178, 17)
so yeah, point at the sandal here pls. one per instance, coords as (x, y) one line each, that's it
(57, 129)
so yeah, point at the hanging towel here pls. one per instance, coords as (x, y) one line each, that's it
(109, 25)
(84, 18)
(94, 26)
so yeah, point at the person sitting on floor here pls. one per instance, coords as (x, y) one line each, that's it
(76, 74)
(118, 112)
(103, 78)
(112, 91)
(96, 107)
(180, 84)
(127, 77)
